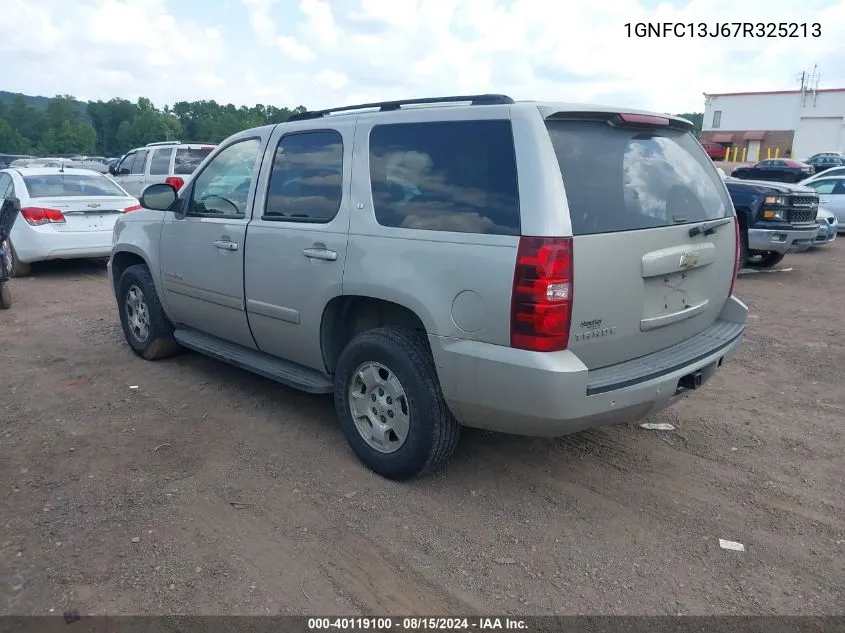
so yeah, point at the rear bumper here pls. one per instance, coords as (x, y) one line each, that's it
(553, 394)
(34, 246)
(782, 241)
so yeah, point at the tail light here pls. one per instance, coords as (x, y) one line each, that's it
(541, 302)
(737, 253)
(36, 216)
(134, 207)
(642, 119)
(175, 182)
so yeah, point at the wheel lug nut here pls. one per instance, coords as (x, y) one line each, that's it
(383, 419)
(389, 400)
(374, 397)
(390, 414)
(381, 391)
(374, 411)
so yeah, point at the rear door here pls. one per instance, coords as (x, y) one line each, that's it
(123, 170)
(646, 276)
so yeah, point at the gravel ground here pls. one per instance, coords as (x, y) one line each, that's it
(187, 486)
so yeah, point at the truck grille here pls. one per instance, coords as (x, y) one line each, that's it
(805, 201)
(802, 216)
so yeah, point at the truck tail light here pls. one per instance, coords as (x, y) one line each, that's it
(36, 216)
(541, 300)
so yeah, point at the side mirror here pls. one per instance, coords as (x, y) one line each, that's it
(158, 197)
(112, 170)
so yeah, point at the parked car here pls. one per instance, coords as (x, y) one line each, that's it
(714, 150)
(65, 214)
(826, 154)
(828, 227)
(6, 160)
(168, 161)
(774, 218)
(832, 171)
(438, 273)
(775, 169)
(831, 192)
(823, 163)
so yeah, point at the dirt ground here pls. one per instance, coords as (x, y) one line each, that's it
(187, 486)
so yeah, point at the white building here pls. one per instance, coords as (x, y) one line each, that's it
(790, 122)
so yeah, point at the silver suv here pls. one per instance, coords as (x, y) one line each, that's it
(530, 268)
(170, 162)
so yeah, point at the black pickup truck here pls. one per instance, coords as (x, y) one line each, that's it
(775, 219)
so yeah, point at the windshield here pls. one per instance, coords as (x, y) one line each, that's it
(623, 179)
(64, 185)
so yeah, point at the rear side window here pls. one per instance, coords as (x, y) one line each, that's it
(160, 162)
(446, 176)
(188, 159)
(306, 184)
(624, 179)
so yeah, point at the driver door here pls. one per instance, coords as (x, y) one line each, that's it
(202, 243)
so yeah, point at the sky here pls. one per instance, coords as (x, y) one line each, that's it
(324, 53)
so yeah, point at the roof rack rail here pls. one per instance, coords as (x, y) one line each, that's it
(163, 143)
(388, 106)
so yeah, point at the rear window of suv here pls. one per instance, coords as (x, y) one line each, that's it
(626, 179)
(188, 159)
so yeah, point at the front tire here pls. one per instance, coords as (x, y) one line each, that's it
(145, 325)
(765, 259)
(390, 405)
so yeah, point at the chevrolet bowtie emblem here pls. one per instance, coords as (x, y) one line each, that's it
(94, 205)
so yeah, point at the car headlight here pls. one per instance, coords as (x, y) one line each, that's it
(775, 200)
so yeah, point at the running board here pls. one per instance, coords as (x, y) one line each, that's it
(285, 372)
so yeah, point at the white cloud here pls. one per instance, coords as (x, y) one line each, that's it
(334, 52)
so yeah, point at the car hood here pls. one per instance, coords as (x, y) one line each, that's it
(778, 187)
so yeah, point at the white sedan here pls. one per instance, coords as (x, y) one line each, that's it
(65, 214)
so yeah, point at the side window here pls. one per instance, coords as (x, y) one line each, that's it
(5, 186)
(140, 161)
(307, 179)
(839, 188)
(125, 165)
(223, 186)
(447, 176)
(823, 187)
(160, 162)
(717, 118)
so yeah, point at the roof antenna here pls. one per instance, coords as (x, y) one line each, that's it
(61, 165)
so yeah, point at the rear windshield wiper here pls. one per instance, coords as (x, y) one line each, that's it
(708, 228)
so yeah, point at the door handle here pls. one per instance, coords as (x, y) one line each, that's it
(320, 253)
(226, 245)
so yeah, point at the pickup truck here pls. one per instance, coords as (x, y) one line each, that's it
(774, 218)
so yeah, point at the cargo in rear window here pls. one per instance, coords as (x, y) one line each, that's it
(626, 179)
(188, 159)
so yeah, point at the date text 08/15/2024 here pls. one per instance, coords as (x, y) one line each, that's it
(416, 624)
(724, 29)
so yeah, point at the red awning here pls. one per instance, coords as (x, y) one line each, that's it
(723, 138)
(754, 136)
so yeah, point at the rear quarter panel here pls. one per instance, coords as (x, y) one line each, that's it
(459, 284)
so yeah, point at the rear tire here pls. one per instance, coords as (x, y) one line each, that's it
(16, 267)
(5, 296)
(145, 325)
(765, 259)
(390, 405)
